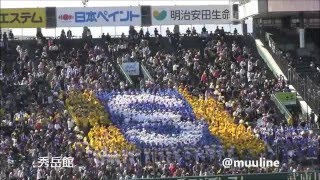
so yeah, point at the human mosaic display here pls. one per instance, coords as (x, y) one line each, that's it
(205, 104)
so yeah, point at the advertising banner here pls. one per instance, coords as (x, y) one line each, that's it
(287, 98)
(191, 15)
(131, 68)
(98, 16)
(23, 18)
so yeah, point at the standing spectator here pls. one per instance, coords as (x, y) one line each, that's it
(5, 40)
(194, 31)
(147, 34)
(69, 34)
(11, 36)
(123, 37)
(217, 31)
(222, 33)
(141, 34)
(103, 37)
(108, 38)
(168, 32)
(204, 29)
(235, 31)
(39, 36)
(188, 32)
(132, 33)
(89, 35)
(156, 32)
(63, 35)
(0, 34)
(84, 33)
(211, 34)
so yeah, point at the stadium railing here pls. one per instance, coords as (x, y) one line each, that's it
(307, 89)
(146, 73)
(128, 79)
(313, 175)
(281, 107)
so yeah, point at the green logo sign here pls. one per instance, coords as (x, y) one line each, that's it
(287, 98)
(160, 16)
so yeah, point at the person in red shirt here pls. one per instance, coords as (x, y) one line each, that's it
(216, 73)
(204, 78)
(172, 169)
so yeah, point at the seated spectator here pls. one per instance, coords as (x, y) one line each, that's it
(69, 34)
(188, 32)
(11, 36)
(156, 32)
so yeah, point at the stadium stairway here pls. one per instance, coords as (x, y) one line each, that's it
(273, 66)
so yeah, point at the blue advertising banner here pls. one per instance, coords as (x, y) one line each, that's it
(98, 16)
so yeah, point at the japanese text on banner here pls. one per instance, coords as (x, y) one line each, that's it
(99, 16)
(200, 14)
(23, 18)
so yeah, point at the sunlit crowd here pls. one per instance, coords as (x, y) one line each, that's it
(203, 105)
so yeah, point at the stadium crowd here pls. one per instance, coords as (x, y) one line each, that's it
(54, 102)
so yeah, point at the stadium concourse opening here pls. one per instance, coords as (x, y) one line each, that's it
(168, 105)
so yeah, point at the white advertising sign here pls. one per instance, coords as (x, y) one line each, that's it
(98, 16)
(191, 15)
(248, 8)
(131, 68)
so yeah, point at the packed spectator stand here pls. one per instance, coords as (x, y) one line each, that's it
(50, 89)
